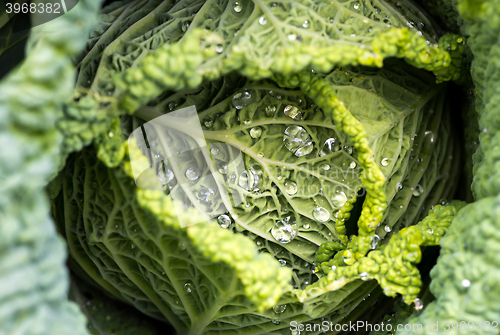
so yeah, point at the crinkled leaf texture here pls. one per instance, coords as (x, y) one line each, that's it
(202, 278)
(387, 132)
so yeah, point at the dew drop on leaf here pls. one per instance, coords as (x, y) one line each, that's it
(330, 146)
(284, 231)
(171, 105)
(305, 150)
(305, 24)
(399, 186)
(219, 48)
(214, 151)
(291, 187)
(418, 304)
(208, 123)
(465, 282)
(224, 221)
(279, 309)
(339, 199)
(282, 262)
(206, 194)
(292, 112)
(237, 7)
(348, 149)
(262, 21)
(270, 110)
(375, 241)
(325, 167)
(292, 37)
(306, 226)
(185, 26)
(385, 161)
(418, 190)
(181, 245)
(297, 137)
(222, 168)
(244, 180)
(256, 132)
(192, 173)
(241, 99)
(165, 176)
(188, 288)
(321, 214)
(352, 165)
(276, 321)
(387, 228)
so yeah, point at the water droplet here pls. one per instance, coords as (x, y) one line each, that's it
(279, 309)
(132, 246)
(418, 190)
(385, 161)
(208, 123)
(418, 304)
(291, 187)
(214, 151)
(192, 173)
(321, 214)
(111, 134)
(348, 149)
(296, 138)
(330, 146)
(292, 37)
(219, 48)
(172, 105)
(284, 231)
(387, 228)
(375, 241)
(305, 24)
(276, 321)
(181, 245)
(185, 26)
(306, 226)
(305, 150)
(260, 154)
(399, 186)
(443, 202)
(256, 132)
(279, 97)
(165, 176)
(339, 199)
(270, 110)
(292, 112)
(262, 21)
(352, 165)
(247, 121)
(222, 167)
(241, 99)
(466, 283)
(188, 288)
(325, 167)
(243, 181)
(224, 221)
(282, 262)
(237, 7)
(364, 276)
(206, 194)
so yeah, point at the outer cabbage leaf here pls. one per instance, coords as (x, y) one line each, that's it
(33, 275)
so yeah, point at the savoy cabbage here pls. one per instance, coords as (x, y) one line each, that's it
(346, 119)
